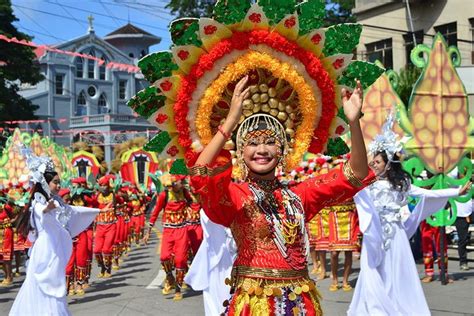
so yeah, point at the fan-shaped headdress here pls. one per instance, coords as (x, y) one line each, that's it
(296, 70)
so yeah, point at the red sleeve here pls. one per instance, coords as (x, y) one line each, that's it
(160, 203)
(213, 184)
(91, 201)
(329, 189)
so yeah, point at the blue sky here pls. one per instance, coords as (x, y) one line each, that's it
(55, 21)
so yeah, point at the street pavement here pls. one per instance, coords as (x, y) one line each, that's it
(135, 290)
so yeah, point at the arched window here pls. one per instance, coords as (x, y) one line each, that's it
(81, 108)
(102, 68)
(91, 66)
(79, 67)
(102, 105)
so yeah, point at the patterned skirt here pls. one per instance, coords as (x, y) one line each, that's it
(258, 296)
(6, 242)
(344, 230)
(318, 228)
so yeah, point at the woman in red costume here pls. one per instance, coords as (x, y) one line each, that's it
(267, 218)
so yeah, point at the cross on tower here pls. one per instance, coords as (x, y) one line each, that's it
(90, 18)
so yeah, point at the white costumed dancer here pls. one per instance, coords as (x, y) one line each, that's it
(51, 224)
(212, 265)
(388, 282)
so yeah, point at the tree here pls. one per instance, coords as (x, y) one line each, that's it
(17, 65)
(338, 11)
(407, 79)
(191, 8)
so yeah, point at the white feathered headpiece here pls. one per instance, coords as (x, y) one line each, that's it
(38, 166)
(387, 141)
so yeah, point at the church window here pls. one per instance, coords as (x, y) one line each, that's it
(79, 67)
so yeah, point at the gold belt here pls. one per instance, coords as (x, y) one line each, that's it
(343, 208)
(5, 225)
(268, 273)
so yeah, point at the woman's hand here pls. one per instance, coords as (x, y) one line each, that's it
(50, 206)
(352, 103)
(466, 188)
(240, 94)
(210, 152)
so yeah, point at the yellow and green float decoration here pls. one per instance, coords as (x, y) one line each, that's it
(379, 100)
(86, 165)
(296, 70)
(137, 165)
(438, 124)
(13, 168)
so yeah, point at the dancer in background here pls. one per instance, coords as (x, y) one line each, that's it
(212, 265)
(388, 281)
(51, 225)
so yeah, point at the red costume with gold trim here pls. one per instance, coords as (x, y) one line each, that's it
(106, 228)
(431, 235)
(121, 235)
(6, 232)
(77, 267)
(193, 221)
(137, 216)
(267, 266)
(174, 241)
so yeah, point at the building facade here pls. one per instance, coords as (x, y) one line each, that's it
(81, 99)
(393, 27)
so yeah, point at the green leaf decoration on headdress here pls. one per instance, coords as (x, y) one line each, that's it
(158, 143)
(366, 72)
(91, 179)
(117, 183)
(157, 65)
(23, 200)
(179, 167)
(185, 32)
(336, 147)
(310, 15)
(342, 39)
(275, 10)
(231, 11)
(79, 191)
(156, 181)
(147, 101)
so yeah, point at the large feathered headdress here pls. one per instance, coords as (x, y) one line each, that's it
(296, 70)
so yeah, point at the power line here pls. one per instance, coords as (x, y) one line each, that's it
(404, 32)
(105, 15)
(125, 4)
(39, 25)
(57, 15)
(39, 33)
(110, 13)
(81, 23)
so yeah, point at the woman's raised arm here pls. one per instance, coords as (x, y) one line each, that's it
(210, 152)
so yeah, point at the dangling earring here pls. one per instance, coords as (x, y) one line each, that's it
(244, 171)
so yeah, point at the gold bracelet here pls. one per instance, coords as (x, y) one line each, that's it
(350, 176)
